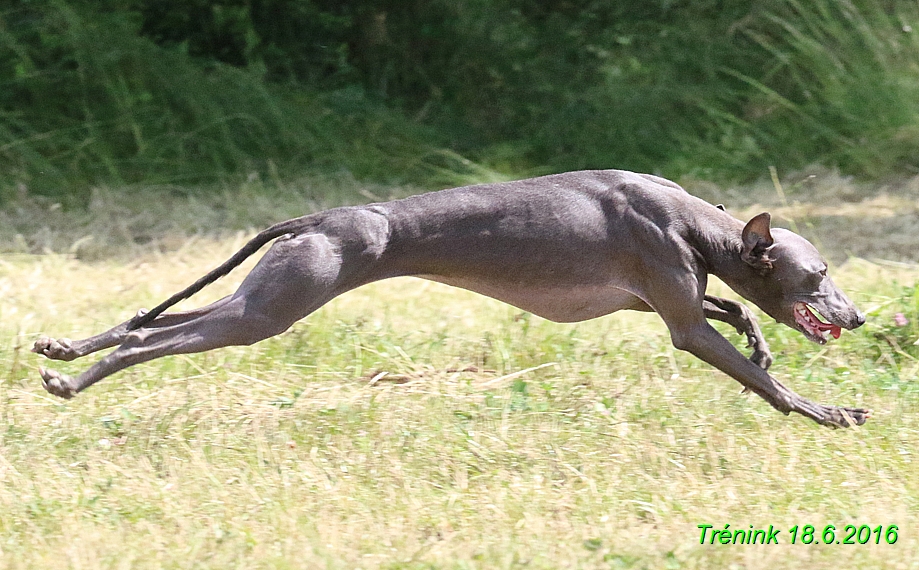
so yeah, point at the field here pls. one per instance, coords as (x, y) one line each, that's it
(412, 425)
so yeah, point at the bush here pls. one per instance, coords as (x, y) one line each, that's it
(190, 91)
(85, 99)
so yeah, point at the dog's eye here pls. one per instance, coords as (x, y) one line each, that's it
(823, 272)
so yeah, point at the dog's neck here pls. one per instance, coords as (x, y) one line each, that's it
(717, 238)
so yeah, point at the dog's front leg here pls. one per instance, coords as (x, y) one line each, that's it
(678, 298)
(739, 316)
(706, 343)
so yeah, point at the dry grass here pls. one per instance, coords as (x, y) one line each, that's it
(843, 217)
(495, 440)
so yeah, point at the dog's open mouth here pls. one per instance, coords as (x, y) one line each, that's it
(812, 324)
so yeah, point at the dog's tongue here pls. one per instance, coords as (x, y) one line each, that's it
(814, 322)
(835, 330)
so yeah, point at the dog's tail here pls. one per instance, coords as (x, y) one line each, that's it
(256, 243)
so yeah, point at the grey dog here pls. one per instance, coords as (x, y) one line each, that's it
(567, 247)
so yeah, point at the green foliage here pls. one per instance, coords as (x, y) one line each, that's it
(191, 92)
(84, 100)
(832, 82)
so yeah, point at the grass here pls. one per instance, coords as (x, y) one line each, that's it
(86, 101)
(495, 439)
(123, 223)
(87, 98)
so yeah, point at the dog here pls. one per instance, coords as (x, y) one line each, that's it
(567, 247)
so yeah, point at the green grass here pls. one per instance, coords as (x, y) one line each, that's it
(495, 440)
(87, 100)
(839, 87)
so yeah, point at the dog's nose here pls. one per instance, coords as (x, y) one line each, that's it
(859, 319)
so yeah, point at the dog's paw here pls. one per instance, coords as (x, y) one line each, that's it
(59, 349)
(762, 358)
(845, 417)
(57, 384)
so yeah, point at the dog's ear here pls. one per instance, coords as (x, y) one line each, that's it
(757, 239)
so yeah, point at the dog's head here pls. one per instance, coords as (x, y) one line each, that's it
(788, 280)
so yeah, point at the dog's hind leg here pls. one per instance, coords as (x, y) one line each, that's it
(67, 350)
(233, 323)
(294, 278)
